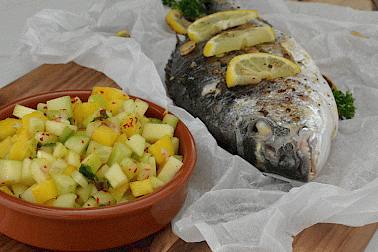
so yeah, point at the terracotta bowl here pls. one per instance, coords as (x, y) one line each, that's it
(97, 228)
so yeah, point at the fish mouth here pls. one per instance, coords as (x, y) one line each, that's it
(281, 151)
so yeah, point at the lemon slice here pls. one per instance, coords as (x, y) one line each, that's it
(207, 26)
(123, 33)
(252, 68)
(236, 40)
(177, 22)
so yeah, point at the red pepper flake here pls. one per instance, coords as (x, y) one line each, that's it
(45, 107)
(135, 170)
(88, 204)
(148, 176)
(3, 183)
(47, 134)
(129, 169)
(105, 190)
(41, 139)
(102, 92)
(97, 199)
(109, 202)
(82, 141)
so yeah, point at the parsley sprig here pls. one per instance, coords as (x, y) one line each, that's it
(345, 104)
(191, 9)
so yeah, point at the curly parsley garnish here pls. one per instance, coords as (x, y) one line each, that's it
(345, 104)
(191, 9)
(87, 172)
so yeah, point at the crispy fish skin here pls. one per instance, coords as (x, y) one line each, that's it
(283, 126)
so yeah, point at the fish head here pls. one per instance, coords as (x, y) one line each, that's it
(283, 137)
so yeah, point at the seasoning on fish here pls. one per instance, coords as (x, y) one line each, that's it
(282, 126)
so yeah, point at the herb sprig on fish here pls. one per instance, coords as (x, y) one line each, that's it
(191, 9)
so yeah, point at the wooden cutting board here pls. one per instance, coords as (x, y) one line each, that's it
(320, 237)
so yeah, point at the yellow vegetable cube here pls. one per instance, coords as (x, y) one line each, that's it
(162, 149)
(169, 170)
(26, 119)
(69, 170)
(8, 127)
(105, 136)
(20, 149)
(44, 191)
(6, 190)
(130, 126)
(5, 147)
(140, 188)
(109, 93)
(113, 106)
(122, 138)
(84, 110)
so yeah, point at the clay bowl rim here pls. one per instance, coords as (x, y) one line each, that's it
(104, 212)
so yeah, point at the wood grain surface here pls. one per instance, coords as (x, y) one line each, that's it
(320, 237)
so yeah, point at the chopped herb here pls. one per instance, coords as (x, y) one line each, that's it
(102, 116)
(87, 172)
(191, 9)
(345, 104)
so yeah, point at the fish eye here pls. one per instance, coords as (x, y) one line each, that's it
(260, 129)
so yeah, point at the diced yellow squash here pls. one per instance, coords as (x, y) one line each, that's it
(26, 119)
(8, 127)
(44, 191)
(5, 146)
(75, 102)
(131, 126)
(105, 136)
(110, 94)
(140, 188)
(84, 110)
(49, 202)
(113, 106)
(162, 149)
(20, 149)
(6, 190)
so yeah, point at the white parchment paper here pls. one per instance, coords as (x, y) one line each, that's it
(230, 204)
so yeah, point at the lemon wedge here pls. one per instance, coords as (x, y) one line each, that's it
(177, 22)
(252, 68)
(207, 26)
(236, 40)
(123, 33)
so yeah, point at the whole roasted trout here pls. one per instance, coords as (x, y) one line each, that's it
(283, 126)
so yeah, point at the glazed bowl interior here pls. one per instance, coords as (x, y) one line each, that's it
(77, 229)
